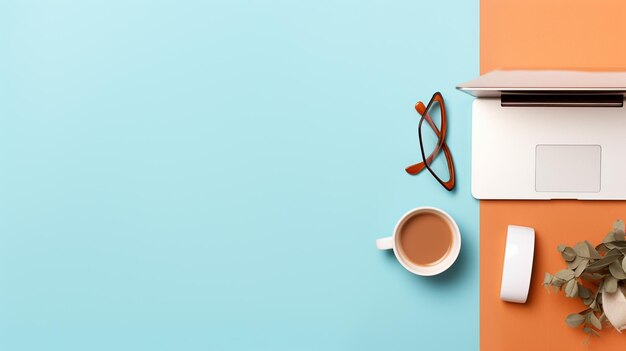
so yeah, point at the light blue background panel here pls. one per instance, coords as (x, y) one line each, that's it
(191, 175)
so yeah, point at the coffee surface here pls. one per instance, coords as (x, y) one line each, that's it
(425, 238)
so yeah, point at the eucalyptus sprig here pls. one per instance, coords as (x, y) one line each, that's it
(591, 271)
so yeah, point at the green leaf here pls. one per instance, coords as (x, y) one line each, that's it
(595, 321)
(565, 274)
(603, 262)
(593, 253)
(617, 234)
(581, 267)
(581, 249)
(592, 276)
(613, 252)
(560, 248)
(618, 226)
(573, 264)
(624, 264)
(568, 254)
(616, 244)
(557, 283)
(547, 279)
(602, 248)
(610, 285)
(571, 289)
(574, 320)
(584, 293)
(616, 270)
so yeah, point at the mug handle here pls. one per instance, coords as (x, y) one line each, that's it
(385, 243)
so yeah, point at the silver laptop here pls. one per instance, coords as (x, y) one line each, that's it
(548, 135)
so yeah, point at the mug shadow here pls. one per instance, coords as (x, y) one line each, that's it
(452, 274)
(445, 279)
(390, 256)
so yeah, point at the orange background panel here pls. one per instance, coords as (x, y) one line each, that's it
(545, 34)
(553, 34)
(538, 324)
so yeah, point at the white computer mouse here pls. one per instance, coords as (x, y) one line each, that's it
(518, 264)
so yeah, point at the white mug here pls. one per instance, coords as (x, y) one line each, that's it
(393, 242)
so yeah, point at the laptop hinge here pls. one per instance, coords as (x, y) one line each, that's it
(561, 100)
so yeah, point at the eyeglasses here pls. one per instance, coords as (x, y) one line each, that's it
(432, 137)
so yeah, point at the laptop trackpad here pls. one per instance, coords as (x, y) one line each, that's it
(567, 168)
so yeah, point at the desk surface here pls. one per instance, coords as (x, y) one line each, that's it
(193, 176)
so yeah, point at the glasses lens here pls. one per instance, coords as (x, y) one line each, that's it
(431, 141)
